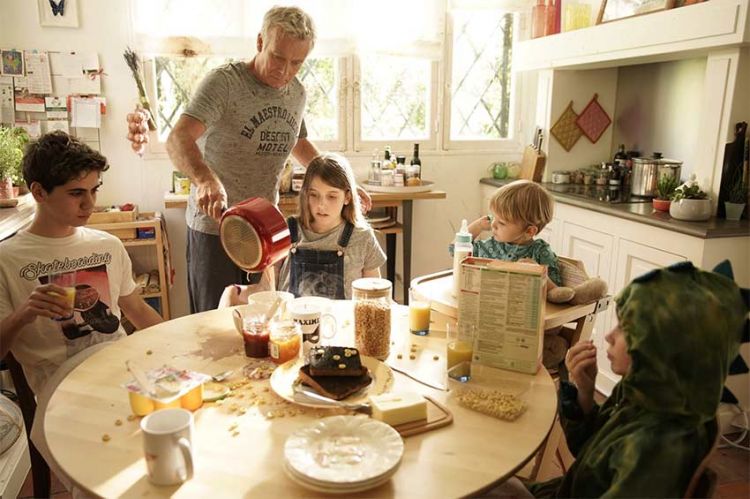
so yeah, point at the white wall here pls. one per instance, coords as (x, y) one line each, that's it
(666, 117)
(104, 27)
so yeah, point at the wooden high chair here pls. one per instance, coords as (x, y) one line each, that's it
(437, 288)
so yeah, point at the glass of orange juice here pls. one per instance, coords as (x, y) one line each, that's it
(67, 281)
(459, 347)
(419, 317)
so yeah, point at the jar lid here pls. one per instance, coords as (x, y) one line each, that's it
(372, 287)
(658, 161)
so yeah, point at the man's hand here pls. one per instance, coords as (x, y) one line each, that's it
(138, 129)
(581, 363)
(47, 300)
(365, 200)
(212, 198)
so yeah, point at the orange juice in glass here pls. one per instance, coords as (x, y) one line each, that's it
(460, 343)
(67, 281)
(419, 317)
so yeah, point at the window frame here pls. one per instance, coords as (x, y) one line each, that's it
(510, 144)
(361, 145)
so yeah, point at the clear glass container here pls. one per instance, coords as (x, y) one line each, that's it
(285, 341)
(372, 316)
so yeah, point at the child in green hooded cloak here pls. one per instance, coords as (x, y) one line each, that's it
(679, 330)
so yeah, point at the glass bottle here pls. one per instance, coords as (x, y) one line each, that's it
(538, 19)
(415, 157)
(285, 341)
(550, 27)
(388, 162)
(372, 316)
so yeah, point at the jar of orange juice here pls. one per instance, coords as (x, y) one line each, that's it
(285, 341)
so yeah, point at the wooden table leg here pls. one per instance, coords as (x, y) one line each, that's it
(407, 215)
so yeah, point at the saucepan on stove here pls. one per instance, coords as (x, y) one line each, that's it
(648, 171)
(254, 234)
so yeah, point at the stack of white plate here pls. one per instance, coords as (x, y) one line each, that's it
(343, 454)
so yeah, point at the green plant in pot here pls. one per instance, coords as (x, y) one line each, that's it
(690, 202)
(664, 190)
(12, 142)
(734, 205)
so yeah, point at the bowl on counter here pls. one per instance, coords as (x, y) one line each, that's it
(691, 210)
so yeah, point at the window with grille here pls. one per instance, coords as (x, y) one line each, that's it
(321, 80)
(481, 80)
(395, 98)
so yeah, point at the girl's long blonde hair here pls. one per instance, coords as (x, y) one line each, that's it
(333, 170)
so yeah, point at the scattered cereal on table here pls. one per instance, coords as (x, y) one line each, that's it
(412, 356)
(118, 422)
(149, 352)
(131, 417)
(399, 356)
(234, 434)
(106, 438)
(435, 357)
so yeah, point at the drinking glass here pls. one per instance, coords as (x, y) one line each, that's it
(419, 317)
(459, 350)
(67, 281)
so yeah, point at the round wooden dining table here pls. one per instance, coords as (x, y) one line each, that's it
(239, 441)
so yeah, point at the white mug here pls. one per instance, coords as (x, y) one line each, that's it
(167, 443)
(309, 316)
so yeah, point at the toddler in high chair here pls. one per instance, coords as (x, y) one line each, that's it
(519, 212)
(332, 243)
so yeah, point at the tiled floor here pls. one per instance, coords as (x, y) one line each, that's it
(731, 465)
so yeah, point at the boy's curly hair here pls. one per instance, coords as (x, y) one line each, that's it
(56, 158)
(523, 201)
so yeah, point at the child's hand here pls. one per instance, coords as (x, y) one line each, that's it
(581, 363)
(47, 300)
(479, 225)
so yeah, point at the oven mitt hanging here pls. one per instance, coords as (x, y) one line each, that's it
(565, 130)
(593, 120)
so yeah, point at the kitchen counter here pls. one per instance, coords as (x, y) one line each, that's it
(14, 219)
(596, 198)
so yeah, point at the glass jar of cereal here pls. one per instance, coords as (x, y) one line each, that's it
(372, 316)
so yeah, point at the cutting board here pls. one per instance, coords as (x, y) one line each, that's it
(437, 416)
(532, 164)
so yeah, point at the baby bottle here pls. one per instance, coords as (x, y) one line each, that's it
(462, 248)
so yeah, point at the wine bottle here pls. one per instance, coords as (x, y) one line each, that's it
(415, 158)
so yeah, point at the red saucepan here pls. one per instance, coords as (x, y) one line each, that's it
(254, 234)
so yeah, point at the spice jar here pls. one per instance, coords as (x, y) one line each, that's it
(285, 341)
(372, 316)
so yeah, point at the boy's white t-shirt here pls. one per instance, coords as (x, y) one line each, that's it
(103, 274)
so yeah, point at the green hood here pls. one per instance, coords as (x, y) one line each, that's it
(683, 329)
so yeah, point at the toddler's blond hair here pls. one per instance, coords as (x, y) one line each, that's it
(523, 201)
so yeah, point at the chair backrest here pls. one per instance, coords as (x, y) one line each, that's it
(26, 399)
(704, 479)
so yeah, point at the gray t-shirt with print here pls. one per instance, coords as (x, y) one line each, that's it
(251, 129)
(362, 253)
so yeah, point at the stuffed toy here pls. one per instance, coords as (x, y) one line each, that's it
(578, 287)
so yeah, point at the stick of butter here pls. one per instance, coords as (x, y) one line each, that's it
(398, 408)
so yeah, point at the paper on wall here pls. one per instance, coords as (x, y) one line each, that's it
(29, 103)
(73, 64)
(85, 85)
(85, 113)
(38, 72)
(53, 125)
(56, 107)
(33, 128)
(7, 114)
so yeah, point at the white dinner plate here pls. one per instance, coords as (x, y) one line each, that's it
(283, 379)
(344, 450)
(328, 488)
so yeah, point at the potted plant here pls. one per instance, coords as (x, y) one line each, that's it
(12, 141)
(664, 189)
(736, 199)
(690, 202)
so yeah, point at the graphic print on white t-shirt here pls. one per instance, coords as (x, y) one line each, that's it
(92, 310)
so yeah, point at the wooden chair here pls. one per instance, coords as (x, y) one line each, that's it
(39, 469)
(703, 482)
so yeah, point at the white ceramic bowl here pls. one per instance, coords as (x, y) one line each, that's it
(692, 210)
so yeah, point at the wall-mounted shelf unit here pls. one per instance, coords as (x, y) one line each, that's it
(680, 33)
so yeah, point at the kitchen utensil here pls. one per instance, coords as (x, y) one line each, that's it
(254, 234)
(647, 171)
(222, 375)
(532, 164)
(272, 309)
(307, 395)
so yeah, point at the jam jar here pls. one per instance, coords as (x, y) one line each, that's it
(284, 341)
(372, 316)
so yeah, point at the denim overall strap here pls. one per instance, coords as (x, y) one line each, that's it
(318, 272)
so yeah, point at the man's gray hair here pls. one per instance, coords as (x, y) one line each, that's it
(293, 21)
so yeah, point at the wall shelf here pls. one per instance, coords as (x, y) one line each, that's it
(680, 33)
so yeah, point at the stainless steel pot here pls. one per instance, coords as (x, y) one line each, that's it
(647, 172)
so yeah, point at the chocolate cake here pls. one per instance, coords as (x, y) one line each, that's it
(335, 361)
(335, 387)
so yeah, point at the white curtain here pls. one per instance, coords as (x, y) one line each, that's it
(344, 27)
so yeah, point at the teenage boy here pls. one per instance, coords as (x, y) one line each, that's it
(39, 324)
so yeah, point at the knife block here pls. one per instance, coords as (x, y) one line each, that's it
(532, 164)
